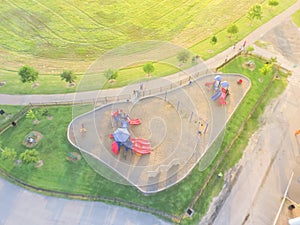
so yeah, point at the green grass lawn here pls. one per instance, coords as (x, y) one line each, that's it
(10, 111)
(204, 48)
(61, 175)
(296, 18)
(52, 83)
(67, 35)
(80, 30)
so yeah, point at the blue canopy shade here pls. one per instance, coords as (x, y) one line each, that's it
(218, 78)
(121, 135)
(225, 84)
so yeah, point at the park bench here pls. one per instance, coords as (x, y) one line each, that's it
(72, 157)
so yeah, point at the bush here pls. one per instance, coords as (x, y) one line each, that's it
(8, 153)
(30, 156)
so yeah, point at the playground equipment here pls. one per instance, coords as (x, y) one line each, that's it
(134, 121)
(216, 95)
(122, 137)
(223, 97)
(216, 83)
(225, 93)
(220, 94)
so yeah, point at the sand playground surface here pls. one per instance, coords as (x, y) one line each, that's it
(180, 125)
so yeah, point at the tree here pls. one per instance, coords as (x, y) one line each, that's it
(111, 74)
(183, 56)
(213, 40)
(274, 64)
(273, 60)
(255, 12)
(233, 29)
(68, 76)
(273, 3)
(28, 74)
(30, 156)
(148, 68)
(8, 153)
(267, 68)
(30, 114)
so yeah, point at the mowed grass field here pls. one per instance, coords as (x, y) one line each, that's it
(84, 29)
(71, 34)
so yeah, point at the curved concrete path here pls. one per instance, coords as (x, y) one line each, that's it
(19, 206)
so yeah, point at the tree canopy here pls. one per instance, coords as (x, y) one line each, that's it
(232, 29)
(68, 76)
(213, 40)
(111, 74)
(255, 12)
(8, 154)
(183, 56)
(28, 74)
(273, 3)
(265, 69)
(30, 156)
(148, 68)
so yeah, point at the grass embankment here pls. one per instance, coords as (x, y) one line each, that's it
(296, 18)
(77, 33)
(10, 111)
(61, 175)
(206, 50)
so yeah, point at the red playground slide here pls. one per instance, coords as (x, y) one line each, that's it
(224, 94)
(207, 84)
(134, 121)
(222, 99)
(141, 151)
(141, 146)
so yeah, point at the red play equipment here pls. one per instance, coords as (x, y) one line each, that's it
(115, 148)
(140, 146)
(224, 94)
(208, 84)
(122, 137)
(134, 121)
(240, 81)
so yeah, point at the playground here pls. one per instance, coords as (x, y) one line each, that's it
(155, 141)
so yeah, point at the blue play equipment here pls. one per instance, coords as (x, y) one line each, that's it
(216, 95)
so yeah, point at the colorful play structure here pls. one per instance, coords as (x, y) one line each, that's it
(122, 137)
(221, 89)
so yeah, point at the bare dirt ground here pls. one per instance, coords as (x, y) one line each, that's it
(180, 126)
(273, 152)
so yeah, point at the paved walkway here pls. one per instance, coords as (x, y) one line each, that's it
(18, 206)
